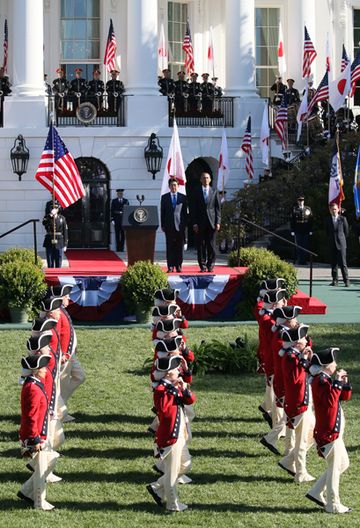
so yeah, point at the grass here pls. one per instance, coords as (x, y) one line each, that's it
(108, 457)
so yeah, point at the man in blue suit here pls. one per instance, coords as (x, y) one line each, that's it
(174, 216)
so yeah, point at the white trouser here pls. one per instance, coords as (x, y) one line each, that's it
(302, 440)
(43, 463)
(269, 395)
(71, 377)
(279, 424)
(56, 435)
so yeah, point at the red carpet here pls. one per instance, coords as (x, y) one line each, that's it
(90, 262)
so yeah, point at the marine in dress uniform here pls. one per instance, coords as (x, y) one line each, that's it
(337, 229)
(116, 213)
(329, 427)
(301, 224)
(181, 92)
(195, 93)
(291, 94)
(115, 90)
(170, 396)
(78, 89)
(60, 88)
(33, 432)
(279, 89)
(56, 238)
(174, 218)
(95, 90)
(208, 93)
(166, 83)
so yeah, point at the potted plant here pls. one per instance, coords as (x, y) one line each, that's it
(138, 285)
(22, 286)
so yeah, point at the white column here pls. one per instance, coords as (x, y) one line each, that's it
(27, 39)
(142, 42)
(240, 48)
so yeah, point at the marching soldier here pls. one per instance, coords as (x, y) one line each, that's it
(56, 238)
(194, 92)
(60, 89)
(78, 88)
(115, 90)
(279, 88)
(116, 213)
(166, 83)
(301, 224)
(181, 92)
(207, 90)
(95, 90)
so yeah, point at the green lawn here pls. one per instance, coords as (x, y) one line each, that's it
(108, 456)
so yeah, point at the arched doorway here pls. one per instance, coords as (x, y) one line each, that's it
(88, 218)
(193, 172)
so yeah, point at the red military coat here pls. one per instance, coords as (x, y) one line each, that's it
(67, 334)
(295, 383)
(278, 382)
(168, 401)
(327, 394)
(265, 337)
(34, 412)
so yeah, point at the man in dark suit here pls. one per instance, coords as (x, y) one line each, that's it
(174, 215)
(116, 213)
(337, 230)
(206, 219)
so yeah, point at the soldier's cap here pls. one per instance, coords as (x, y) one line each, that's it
(78, 70)
(180, 72)
(301, 198)
(35, 343)
(35, 362)
(168, 345)
(96, 71)
(60, 290)
(168, 325)
(292, 335)
(42, 325)
(274, 296)
(165, 70)
(194, 74)
(167, 363)
(325, 356)
(273, 284)
(205, 75)
(166, 294)
(115, 71)
(292, 80)
(51, 303)
(60, 70)
(161, 311)
(214, 78)
(286, 312)
(120, 190)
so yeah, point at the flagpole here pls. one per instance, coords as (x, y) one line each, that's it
(53, 183)
(337, 135)
(307, 114)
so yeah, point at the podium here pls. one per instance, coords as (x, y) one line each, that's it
(140, 224)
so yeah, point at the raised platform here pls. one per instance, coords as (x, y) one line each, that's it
(96, 296)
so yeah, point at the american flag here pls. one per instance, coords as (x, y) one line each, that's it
(189, 53)
(309, 55)
(344, 59)
(6, 45)
(109, 57)
(247, 148)
(58, 172)
(281, 122)
(355, 73)
(322, 92)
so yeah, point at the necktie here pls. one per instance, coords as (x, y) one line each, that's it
(206, 196)
(174, 200)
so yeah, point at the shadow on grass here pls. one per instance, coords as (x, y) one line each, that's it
(115, 433)
(11, 418)
(106, 418)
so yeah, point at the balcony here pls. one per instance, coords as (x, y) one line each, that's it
(102, 110)
(220, 114)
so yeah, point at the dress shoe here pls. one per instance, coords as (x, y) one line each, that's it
(317, 501)
(347, 284)
(210, 268)
(270, 447)
(25, 498)
(202, 269)
(288, 470)
(266, 416)
(154, 495)
(334, 283)
(170, 269)
(178, 269)
(178, 507)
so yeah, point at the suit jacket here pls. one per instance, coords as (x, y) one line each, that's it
(337, 233)
(173, 219)
(117, 209)
(210, 212)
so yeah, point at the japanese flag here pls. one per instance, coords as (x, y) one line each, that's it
(224, 166)
(265, 136)
(340, 88)
(281, 52)
(162, 52)
(174, 164)
(210, 54)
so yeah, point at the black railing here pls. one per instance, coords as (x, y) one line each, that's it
(102, 110)
(221, 114)
(34, 234)
(311, 254)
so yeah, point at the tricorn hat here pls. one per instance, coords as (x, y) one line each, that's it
(59, 290)
(35, 362)
(43, 325)
(273, 284)
(168, 325)
(325, 356)
(287, 312)
(167, 363)
(274, 296)
(166, 294)
(292, 335)
(35, 343)
(51, 303)
(168, 345)
(162, 311)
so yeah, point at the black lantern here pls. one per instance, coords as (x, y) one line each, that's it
(19, 156)
(153, 154)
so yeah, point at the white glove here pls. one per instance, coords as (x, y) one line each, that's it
(292, 233)
(65, 248)
(186, 246)
(310, 233)
(112, 221)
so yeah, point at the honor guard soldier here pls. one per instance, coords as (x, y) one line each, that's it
(329, 428)
(115, 90)
(301, 224)
(181, 93)
(116, 213)
(279, 89)
(291, 93)
(195, 94)
(78, 88)
(207, 90)
(166, 83)
(60, 89)
(95, 90)
(217, 89)
(34, 432)
(56, 238)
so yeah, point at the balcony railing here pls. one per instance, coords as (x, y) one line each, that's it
(102, 110)
(221, 114)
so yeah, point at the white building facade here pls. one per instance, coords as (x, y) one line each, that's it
(44, 34)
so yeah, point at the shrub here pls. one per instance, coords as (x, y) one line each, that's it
(229, 358)
(21, 284)
(248, 255)
(139, 283)
(21, 255)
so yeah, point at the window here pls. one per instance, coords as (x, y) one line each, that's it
(177, 17)
(80, 36)
(266, 38)
(356, 50)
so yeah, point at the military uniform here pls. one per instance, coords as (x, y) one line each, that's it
(181, 93)
(115, 90)
(194, 94)
(279, 88)
(301, 224)
(78, 89)
(60, 89)
(166, 85)
(292, 96)
(95, 90)
(55, 242)
(4, 87)
(208, 93)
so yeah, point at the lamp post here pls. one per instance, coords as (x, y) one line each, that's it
(153, 154)
(19, 156)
